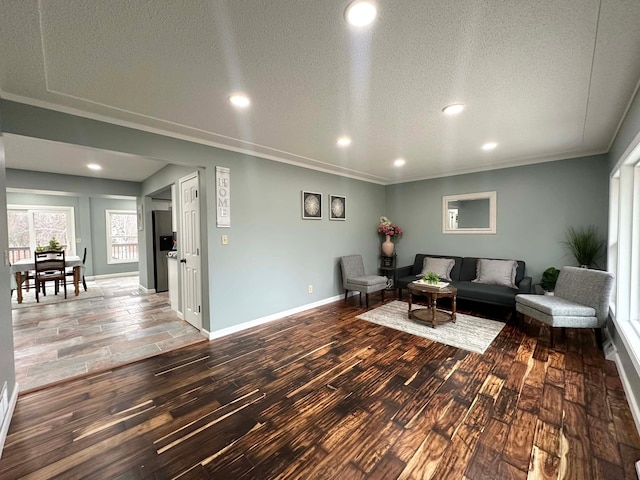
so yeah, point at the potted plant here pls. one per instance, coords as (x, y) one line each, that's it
(431, 278)
(549, 279)
(585, 244)
(53, 246)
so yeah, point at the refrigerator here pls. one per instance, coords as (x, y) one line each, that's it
(162, 243)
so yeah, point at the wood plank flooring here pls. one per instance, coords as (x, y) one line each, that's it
(323, 395)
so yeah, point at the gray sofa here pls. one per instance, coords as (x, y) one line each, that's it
(462, 274)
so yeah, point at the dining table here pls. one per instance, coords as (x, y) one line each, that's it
(20, 272)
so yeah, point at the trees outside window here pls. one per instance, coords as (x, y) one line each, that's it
(32, 226)
(122, 236)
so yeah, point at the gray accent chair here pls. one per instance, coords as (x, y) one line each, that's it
(354, 278)
(581, 300)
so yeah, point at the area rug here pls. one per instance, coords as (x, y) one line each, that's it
(469, 333)
(29, 298)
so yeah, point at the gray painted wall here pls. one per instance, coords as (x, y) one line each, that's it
(7, 371)
(268, 239)
(535, 204)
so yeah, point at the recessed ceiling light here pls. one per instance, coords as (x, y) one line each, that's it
(399, 162)
(94, 166)
(240, 100)
(360, 13)
(489, 146)
(344, 141)
(454, 109)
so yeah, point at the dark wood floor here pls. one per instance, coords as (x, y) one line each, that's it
(322, 395)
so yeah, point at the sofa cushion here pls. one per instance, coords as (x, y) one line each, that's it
(440, 266)
(419, 263)
(496, 272)
(482, 292)
(367, 280)
(556, 306)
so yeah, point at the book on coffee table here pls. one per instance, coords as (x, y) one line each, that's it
(437, 285)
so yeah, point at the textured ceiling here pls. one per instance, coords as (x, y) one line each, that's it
(546, 80)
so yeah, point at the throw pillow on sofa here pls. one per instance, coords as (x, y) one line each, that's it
(496, 272)
(440, 266)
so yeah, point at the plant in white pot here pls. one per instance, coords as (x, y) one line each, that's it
(585, 245)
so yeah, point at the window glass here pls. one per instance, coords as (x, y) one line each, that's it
(122, 236)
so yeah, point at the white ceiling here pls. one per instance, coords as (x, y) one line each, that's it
(26, 153)
(546, 79)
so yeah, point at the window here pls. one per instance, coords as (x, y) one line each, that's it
(624, 251)
(33, 225)
(122, 236)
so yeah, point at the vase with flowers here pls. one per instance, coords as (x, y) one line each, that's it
(389, 230)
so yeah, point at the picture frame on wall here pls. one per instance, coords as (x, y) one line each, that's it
(311, 205)
(337, 207)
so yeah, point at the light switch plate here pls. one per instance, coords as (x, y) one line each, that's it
(225, 240)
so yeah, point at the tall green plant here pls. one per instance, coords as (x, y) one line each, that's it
(585, 244)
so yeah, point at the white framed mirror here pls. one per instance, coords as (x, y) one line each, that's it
(469, 213)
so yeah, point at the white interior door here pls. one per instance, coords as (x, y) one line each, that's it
(189, 249)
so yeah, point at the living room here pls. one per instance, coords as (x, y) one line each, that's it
(271, 245)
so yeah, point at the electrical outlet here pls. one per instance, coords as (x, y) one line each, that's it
(310, 288)
(225, 240)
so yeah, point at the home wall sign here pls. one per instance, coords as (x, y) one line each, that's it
(223, 197)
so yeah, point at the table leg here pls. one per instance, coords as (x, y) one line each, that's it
(76, 279)
(19, 286)
(409, 312)
(453, 309)
(433, 311)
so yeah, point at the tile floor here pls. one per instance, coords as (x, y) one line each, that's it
(55, 342)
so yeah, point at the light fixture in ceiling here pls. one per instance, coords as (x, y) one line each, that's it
(360, 13)
(399, 162)
(344, 141)
(489, 146)
(94, 166)
(239, 100)
(453, 109)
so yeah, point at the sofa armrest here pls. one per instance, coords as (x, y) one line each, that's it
(404, 271)
(525, 285)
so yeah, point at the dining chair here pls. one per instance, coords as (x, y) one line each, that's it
(69, 270)
(50, 266)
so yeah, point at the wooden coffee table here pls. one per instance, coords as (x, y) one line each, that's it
(432, 313)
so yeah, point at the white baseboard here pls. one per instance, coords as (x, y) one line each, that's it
(4, 430)
(269, 318)
(146, 290)
(112, 275)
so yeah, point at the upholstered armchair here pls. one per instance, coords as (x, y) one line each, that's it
(581, 300)
(354, 278)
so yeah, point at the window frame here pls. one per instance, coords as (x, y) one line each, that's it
(69, 212)
(108, 213)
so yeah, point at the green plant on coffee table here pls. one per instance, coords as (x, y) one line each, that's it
(549, 279)
(431, 278)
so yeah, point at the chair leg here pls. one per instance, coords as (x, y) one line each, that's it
(346, 294)
(599, 337)
(366, 300)
(64, 285)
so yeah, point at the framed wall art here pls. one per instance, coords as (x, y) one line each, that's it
(337, 207)
(311, 205)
